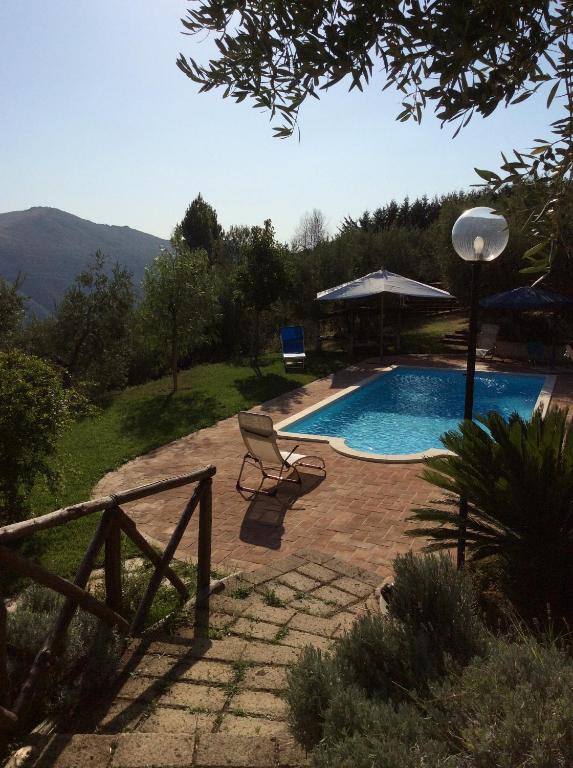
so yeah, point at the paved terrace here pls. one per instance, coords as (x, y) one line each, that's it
(357, 513)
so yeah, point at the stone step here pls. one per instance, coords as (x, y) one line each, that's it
(165, 750)
(181, 701)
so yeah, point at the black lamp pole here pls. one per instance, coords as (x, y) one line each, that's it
(469, 399)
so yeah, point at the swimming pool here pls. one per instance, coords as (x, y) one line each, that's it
(401, 413)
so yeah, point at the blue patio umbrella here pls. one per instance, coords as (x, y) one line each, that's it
(525, 298)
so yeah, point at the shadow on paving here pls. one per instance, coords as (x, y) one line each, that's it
(263, 387)
(157, 419)
(263, 524)
(152, 687)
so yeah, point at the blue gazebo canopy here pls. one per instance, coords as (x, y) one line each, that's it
(524, 298)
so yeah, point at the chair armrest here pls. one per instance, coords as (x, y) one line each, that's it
(291, 452)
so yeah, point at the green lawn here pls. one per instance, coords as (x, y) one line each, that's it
(140, 418)
(425, 335)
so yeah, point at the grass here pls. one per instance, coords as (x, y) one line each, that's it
(140, 418)
(425, 335)
(167, 601)
(271, 598)
(280, 635)
(241, 593)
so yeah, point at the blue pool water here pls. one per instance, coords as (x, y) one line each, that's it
(407, 409)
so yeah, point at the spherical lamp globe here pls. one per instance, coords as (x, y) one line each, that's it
(480, 234)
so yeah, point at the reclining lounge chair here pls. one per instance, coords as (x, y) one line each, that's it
(535, 353)
(260, 438)
(487, 339)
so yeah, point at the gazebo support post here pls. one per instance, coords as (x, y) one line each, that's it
(351, 340)
(399, 331)
(381, 325)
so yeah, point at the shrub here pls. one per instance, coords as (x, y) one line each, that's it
(511, 709)
(517, 476)
(390, 694)
(389, 658)
(385, 659)
(89, 661)
(34, 410)
(433, 624)
(312, 684)
(360, 751)
(431, 596)
(375, 732)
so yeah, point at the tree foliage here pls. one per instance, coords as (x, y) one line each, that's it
(311, 231)
(460, 58)
(12, 306)
(179, 302)
(547, 166)
(417, 215)
(260, 278)
(463, 57)
(34, 410)
(91, 325)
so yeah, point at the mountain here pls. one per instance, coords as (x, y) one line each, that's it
(50, 247)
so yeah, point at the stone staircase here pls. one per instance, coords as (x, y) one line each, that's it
(457, 341)
(213, 701)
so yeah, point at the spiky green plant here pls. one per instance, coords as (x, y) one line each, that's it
(517, 476)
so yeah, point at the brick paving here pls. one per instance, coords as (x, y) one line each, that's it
(216, 698)
(358, 512)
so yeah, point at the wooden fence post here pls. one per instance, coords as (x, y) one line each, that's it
(8, 721)
(204, 545)
(204, 561)
(113, 563)
(4, 690)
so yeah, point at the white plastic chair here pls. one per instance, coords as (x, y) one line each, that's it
(292, 342)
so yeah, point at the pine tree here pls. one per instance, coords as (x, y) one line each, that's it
(200, 226)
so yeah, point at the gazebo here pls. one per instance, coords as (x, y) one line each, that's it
(379, 283)
(526, 297)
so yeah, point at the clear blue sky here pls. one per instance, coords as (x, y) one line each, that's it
(96, 119)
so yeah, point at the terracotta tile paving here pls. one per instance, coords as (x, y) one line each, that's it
(358, 512)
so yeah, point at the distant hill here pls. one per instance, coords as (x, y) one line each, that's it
(50, 247)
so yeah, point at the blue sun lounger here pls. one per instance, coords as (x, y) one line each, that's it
(292, 341)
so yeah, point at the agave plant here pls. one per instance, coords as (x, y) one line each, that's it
(517, 476)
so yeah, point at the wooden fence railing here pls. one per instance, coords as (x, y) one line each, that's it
(114, 521)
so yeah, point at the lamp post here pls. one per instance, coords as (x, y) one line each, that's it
(478, 235)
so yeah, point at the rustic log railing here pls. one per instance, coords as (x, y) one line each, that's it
(113, 522)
